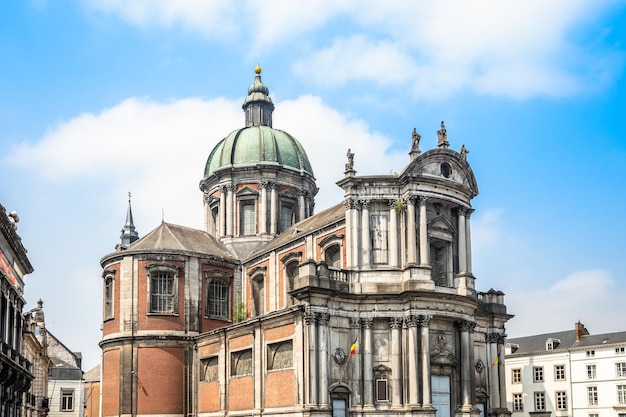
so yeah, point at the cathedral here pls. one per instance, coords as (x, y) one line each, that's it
(367, 308)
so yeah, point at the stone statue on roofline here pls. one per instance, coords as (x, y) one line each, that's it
(442, 137)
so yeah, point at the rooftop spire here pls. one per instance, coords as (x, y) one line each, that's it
(129, 234)
(258, 105)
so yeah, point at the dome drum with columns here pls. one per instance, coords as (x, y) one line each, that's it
(258, 180)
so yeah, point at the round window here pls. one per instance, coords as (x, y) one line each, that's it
(446, 170)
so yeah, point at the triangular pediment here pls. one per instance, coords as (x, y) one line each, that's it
(247, 191)
(441, 223)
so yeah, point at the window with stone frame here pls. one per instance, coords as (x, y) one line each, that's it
(67, 400)
(518, 402)
(559, 372)
(163, 288)
(621, 394)
(382, 390)
(257, 290)
(516, 375)
(620, 369)
(591, 371)
(292, 270)
(218, 296)
(540, 401)
(241, 363)
(287, 214)
(280, 355)
(561, 400)
(210, 369)
(538, 373)
(247, 217)
(592, 395)
(379, 234)
(108, 297)
(332, 256)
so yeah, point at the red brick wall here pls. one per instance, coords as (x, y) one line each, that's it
(240, 393)
(278, 333)
(160, 381)
(280, 388)
(92, 399)
(111, 383)
(208, 397)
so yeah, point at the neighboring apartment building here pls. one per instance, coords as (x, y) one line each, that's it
(367, 308)
(35, 349)
(66, 388)
(16, 371)
(568, 373)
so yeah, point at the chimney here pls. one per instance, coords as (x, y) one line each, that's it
(580, 330)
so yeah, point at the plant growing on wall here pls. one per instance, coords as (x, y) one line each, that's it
(399, 205)
(240, 312)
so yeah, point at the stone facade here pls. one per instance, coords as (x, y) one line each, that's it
(367, 308)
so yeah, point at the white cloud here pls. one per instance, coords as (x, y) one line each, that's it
(517, 49)
(590, 296)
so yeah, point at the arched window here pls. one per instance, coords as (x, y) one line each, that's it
(291, 270)
(331, 249)
(280, 355)
(163, 288)
(332, 256)
(241, 363)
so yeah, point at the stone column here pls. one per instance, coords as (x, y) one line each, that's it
(355, 363)
(310, 320)
(494, 398)
(258, 361)
(468, 240)
(352, 251)
(450, 265)
(411, 229)
(412, 380)
(396, 362)
(465, 328)
(302, 204)
(368, 365)
(365, 233)
(424, 249)
(425, 351)
(323, 360)
(501, 369)
(462, 241)
(263, 209)
(230, 209)
(222, 213)
(274, 208)
(355, 225)
(393, 234)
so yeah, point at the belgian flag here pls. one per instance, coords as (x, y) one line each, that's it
(353, 347)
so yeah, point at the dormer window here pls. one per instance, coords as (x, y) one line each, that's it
(552, 344)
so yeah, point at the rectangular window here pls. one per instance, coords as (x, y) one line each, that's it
(247, 218)
(218, 295)
(382, 391)
(108, 298)
(591, 372)
(592, 415)
(518, 402)
(210, 369)
(516, 376)
(592, 395)
(561, 400)
(161, 292)
(620, 369)
(287, 216)
(590, 353)
(540, 401)
(378, 232)
(67, 400)
(559, 372)
(280, 355)
(538, 373)
(241, 363)
(619, 350)
(621, 394)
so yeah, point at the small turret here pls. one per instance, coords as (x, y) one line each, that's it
(129, 234)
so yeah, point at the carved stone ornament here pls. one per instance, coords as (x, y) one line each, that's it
(480, 366)
(340, 356)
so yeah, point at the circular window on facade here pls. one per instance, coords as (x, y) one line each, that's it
(446, 170)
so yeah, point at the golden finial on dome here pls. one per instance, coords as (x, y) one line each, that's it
(257, 69)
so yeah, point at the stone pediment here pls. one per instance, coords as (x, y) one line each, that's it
(247, 191)
(441, 223)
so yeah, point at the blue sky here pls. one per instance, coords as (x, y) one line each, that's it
(99, 97)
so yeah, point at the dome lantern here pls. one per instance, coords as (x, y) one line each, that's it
(258, 106)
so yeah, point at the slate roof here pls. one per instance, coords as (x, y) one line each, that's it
(537, 343)
(310, 224)
(174, 238)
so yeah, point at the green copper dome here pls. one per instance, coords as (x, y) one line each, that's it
(258, 145)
